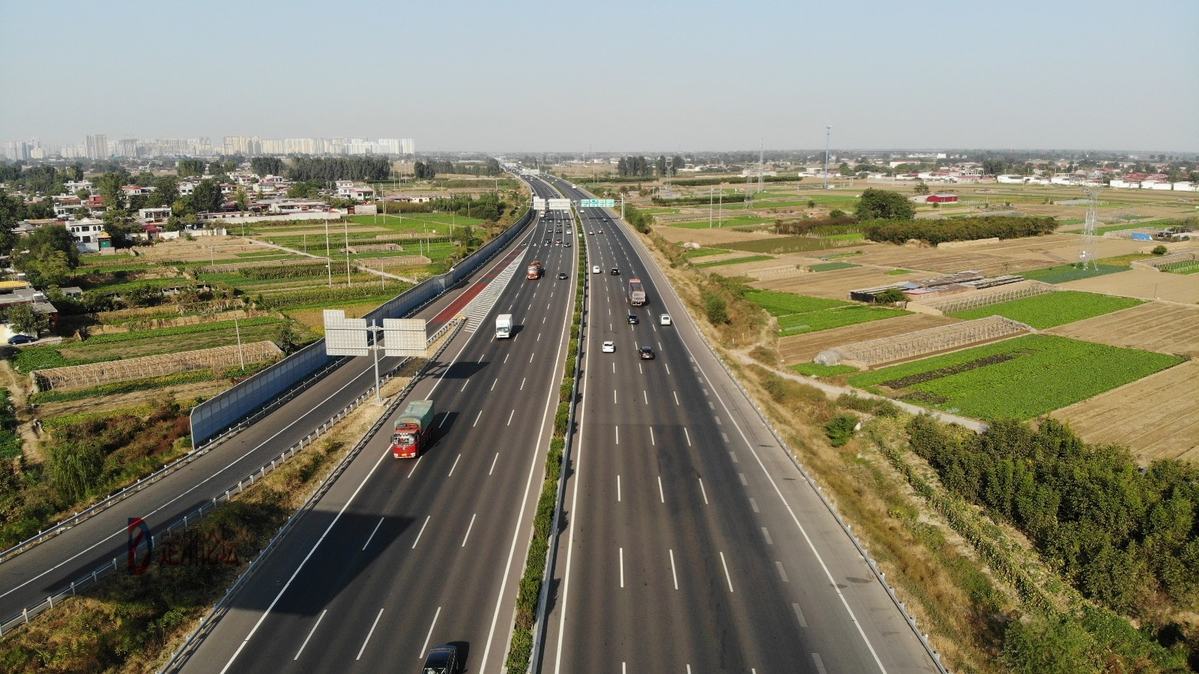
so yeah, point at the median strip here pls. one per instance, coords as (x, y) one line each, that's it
(532, 598)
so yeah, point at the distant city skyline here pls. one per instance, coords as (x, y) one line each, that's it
(531, 76)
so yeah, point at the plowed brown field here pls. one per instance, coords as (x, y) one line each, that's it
(1154, 326)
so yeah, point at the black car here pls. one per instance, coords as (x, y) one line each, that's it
(21, 339)
(562, 276)
(633, 320)
(615, 271)
(442, 660)
(646, 353)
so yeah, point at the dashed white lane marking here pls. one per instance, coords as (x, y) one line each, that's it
(468, 529)
(310, 633)
(425, 646)
(782, 572)
(766, 535)
(493, 460)
(673, 575)
(368, 635)
(703, 492)
(688, 436)
(373, 532)
(727, 577)
(422, 530)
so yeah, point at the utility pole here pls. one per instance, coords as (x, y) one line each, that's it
(241, 357)
(328, 254)
(828, 131)
(709, 208)
(720, 207)
(375, 350)
(346, 226)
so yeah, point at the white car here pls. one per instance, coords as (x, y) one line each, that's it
(608, 347)
(664, 319)
(595, 269)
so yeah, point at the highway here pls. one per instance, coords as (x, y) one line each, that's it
(693, 543)
(28, 578)
(400, 554)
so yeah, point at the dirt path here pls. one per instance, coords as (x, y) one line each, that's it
(18, 392)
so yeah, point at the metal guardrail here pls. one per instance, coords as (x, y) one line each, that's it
(147, 480)
(210, 619)
(551, 557)
(878, 573)
(292, 391)
(195, 515)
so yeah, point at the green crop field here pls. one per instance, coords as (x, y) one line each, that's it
(1017, 378)
(1050, 309)
(1188, 267)
(726, 221)
(789, 244)
(798, 314)
(735, 260)
(693, 253)
(818, 370)
(833, 266)
(1068, 272)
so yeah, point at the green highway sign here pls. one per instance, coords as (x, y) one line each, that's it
(597, 203)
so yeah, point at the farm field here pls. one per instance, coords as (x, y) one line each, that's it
(1016, 378)
(797, 314)
(735, 221)
(796, 244)
(834, 284)
(1155, 417)
(1069, 272)
(1052, 309)
(118, 345)
(1155, 326)
(1144, 284)
(803, 348)
(733, 260)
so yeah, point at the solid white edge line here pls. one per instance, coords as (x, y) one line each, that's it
(304, 561)
(310, 633)
(424, 648)
(563, 334)
(368, 635)
(807, 539)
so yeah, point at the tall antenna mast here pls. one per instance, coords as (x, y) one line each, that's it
(761, 164)
(828, 131)
(1086, 256)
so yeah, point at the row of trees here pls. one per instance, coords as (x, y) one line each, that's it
(638, 166)
(427, 170)
(1125, 537)
(328, 169)
(957, 229)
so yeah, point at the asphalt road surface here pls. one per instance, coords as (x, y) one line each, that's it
(26, 580)
(693, 543)
(400, 555)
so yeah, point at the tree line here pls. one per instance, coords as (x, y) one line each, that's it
(637, 166)
(957, 229)
(1127, 538)
(330, 169)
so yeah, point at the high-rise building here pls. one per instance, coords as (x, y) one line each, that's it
(97, 146)
(127, 147)
(407, 146)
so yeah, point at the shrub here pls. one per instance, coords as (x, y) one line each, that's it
(840, 429)
(884, 204)
(1160, 250)
(715, 308)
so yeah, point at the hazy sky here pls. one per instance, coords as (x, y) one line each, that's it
(609, 75)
